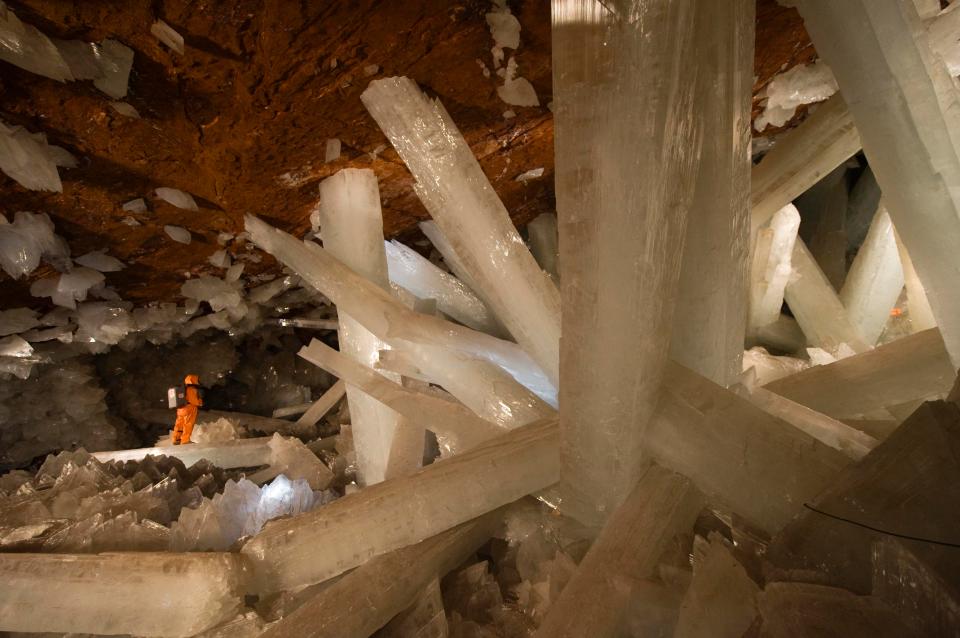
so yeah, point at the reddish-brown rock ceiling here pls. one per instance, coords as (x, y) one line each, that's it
(242, 118)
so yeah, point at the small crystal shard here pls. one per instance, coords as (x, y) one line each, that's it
(332, 151)
(166, 34)
(177, 198)
(135, 206)
(178, 233)
(100, 260)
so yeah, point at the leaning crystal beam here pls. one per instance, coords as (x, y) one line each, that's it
(903, 101)
(137, 593)
(460, 199)
(626, 152)
(771, 268)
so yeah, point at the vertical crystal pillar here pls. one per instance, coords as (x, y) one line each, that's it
(710, 318)
(874, 281)
(458, 196)
(626, 154)
(771, 267)
(351, 226)
(905, 106)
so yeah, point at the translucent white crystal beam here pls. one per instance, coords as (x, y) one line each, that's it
(662, 505)
(545, 243)
(415, 273)
(450, 257)
(816, 306)
(351, 225)
(121, 593)
(875, 280)
(465, 207)
(771, 268)
(404, 511)
(627, 145)
(903, 101)
(911, 368)
(239, 453)
(445, 418)
(921, 314)
(324, 404)
(364, 600)
(801, 157)
(714, 275)
(384, 315)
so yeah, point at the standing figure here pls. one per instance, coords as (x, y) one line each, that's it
(187, 414)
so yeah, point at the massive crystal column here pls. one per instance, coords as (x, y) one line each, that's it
(351, 226)
(662, 505)
(906, 109)
(874, 281)
(816, 305)
(713, 278)
(771, 267)
(138, 593)
(626, 157)
(458, 196)
(921, 315)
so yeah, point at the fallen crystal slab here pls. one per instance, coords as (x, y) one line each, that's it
(410, 270)
(176, 197)
(662, 505)
(393, 580)
(240, 453)
(464, 205)
(122, 593)
(178, 233)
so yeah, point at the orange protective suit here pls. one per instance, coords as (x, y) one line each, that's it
(187, 415)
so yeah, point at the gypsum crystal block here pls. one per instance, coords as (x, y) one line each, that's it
(801, 157)
(921, 315)
(816, 306)
(122, 593)
(662, 505)
(875, 280)
(415, 273)
(457, 425)
(906, 485)
(721, 601)
(442, 495)
(713, 285)
(383, 315)
(545, 243)
(365, 599)
(465, 207)
(481, 386)
(319, 408)
(915, 367)
(627, 148)
(903, 101)
(352, 231)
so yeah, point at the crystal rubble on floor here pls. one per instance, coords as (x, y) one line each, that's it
(29, 160)
(801, 157)
(365, 599)
(874, 281)
(544, 243)
(440, 496)
(384, 315)
(241, 510)
(771, 267)
(122, 593)
(916, 367)
(911, 111)
(486, 389)
(459, 428)
(465, 207)
(722, 598)
(352, 231)
(906, 485)
(829, 431)
(425, 280)
(816, 305)
(620, 240)
(714, 276)
(627, 550)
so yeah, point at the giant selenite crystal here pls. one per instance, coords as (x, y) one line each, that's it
(352, 230)
(626, 156)
(771, 268)
(458, 196)
(142, 593)
(713, 279)
(905, 107)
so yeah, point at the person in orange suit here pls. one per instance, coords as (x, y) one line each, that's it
(187, 415)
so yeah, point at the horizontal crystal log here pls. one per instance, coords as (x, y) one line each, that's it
(324, 404)
(238, 453)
